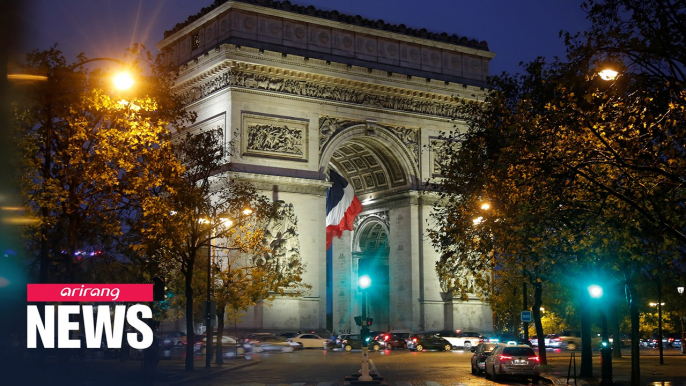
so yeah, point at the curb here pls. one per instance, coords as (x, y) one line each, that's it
(212, 373)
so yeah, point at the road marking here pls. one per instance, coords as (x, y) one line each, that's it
(431, 383)
(324, 383)
(402, 383)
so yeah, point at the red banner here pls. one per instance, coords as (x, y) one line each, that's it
(89, 292)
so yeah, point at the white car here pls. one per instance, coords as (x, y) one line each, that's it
(310, 340)
(467, 340)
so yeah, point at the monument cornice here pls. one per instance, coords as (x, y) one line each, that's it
(250, 76)
(285, 184)
(223, 56)
(379, 28)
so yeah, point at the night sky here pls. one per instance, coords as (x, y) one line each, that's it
(515, 30)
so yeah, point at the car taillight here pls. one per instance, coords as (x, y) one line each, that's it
(344, 341)
(535, 359)
(504, 357)
(414, 340)
(557, 339)
(386, 337)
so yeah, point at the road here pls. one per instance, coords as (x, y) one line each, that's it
(399, 368)
(329, 368)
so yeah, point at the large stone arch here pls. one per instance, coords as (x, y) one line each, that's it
(298, 92)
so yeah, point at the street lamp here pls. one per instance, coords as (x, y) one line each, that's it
(681, 293)
(364, 282)
(596, 292)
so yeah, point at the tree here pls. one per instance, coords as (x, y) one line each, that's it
(267, 264)
(178, 223)
(89, 153)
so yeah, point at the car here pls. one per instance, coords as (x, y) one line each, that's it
(261, 342)
(571, 340)
(430, 341)
(674, 340)
(171, 339)
(480, 353)
(467, 339)
(230, 346)
(310, 340)
(509, 339)
(519, 360)
(354, 341)
(394, 340)
(287, 335)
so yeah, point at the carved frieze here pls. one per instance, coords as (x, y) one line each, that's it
(234, 77)
(274, 136)
(439, 155)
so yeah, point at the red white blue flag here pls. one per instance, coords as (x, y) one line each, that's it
(341, 207)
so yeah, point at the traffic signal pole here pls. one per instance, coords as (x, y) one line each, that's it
(365, 377)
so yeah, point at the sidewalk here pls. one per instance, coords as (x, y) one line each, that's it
(113, 372)
(673, 370)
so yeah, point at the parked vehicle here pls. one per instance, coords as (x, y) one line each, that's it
(310, 340)
(520, 361)
(481, 352)
(423, 341)
(354, 341)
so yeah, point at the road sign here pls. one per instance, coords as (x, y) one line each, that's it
(526, 316)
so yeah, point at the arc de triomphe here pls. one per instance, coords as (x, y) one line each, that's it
(300, 91)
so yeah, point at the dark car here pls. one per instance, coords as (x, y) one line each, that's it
(354, 341)
(481, 352)
(674, 340)
(394, 340)
(424, 341)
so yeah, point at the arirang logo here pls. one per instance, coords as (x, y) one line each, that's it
(106, 322)
(93, 328)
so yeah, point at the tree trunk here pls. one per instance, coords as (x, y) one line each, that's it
(632, 300)
(220, 332)
(614, 326)
(586, 349)
(538, 301)
(190, 332)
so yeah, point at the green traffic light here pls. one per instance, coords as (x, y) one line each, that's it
(364, 281)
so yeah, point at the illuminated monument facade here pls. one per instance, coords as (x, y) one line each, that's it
(300, 91)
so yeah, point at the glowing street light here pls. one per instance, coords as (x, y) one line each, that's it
(608, 74)
(123, 80)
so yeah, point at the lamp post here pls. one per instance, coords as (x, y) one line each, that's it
(364, 283)
(681, 294)
(596, 292)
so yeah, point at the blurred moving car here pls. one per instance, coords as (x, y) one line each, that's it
(230, 346)
(467, 339)
(261, 342)
(170, 339)
(519, 361)
(393, 340)
(424, 341)
(310, 340)
(674, 340)
(354, 341)
(509, 339)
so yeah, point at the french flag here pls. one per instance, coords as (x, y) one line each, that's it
(341, 207)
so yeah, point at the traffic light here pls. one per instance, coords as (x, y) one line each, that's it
(369, 321)
(159, 289)
(358, 320)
